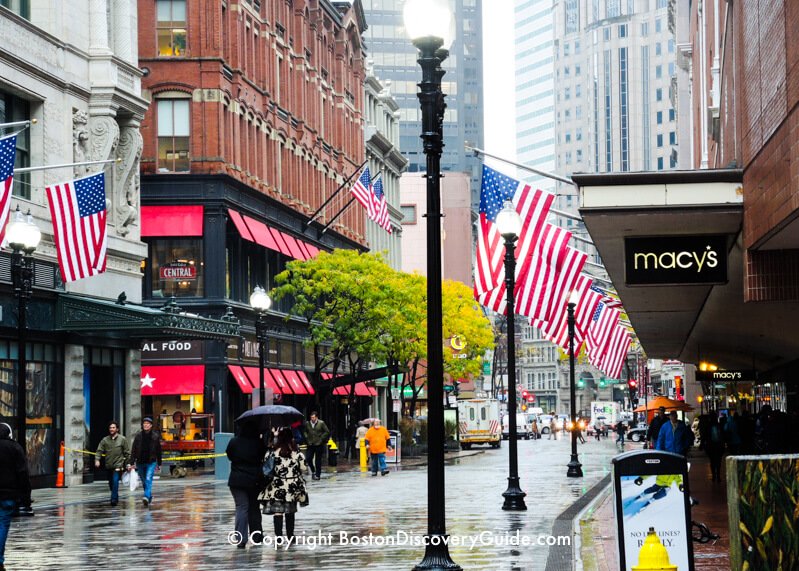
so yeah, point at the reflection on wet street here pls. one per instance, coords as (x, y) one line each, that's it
(353, 519)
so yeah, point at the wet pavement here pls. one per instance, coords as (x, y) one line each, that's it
(187, 526)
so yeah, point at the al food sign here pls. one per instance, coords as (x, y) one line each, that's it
(669, 260)
(177, 271)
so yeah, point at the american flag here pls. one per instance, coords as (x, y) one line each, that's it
(537, 285)
(378, 210)
(616, 352)
(8, 152)
(79, 226)
(600, 330)
(586, 304)
(533, 207)
(362, 189)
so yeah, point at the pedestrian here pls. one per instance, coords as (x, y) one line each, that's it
(579, 428)
(733, 434)
(145, 457)
(246, 454)
(674, 436)
(15, 485)
(360, 436)
(534, 430)
(714, 447)
(352, 443)
(653, 431)
(316, 436)
(621, 430)
(553, 428)
(114, 450)
(378, 441)
(286, 489)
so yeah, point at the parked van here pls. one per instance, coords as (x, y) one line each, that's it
(523, 429)
(478, 421)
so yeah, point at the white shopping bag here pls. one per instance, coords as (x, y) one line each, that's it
(126, 478)
(134, 480)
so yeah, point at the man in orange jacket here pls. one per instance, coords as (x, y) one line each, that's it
(377, 442)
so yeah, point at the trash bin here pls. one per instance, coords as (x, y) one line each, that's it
(651, 491)
(221, 464)
(332, 453)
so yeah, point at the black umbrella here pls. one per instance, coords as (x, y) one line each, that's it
(272, 415)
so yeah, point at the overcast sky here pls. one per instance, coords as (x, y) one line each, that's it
(498, 80)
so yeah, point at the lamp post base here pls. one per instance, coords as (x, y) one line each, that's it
(514, 496)
(575, 468)
(436, 556)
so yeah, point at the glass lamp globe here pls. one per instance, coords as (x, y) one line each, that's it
(509, 223)
(23, 234)
(429, 18)
(260, 300)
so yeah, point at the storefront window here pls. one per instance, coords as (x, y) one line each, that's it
(177, 267)
(41, 410)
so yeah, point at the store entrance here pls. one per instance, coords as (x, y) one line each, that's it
(102, 389)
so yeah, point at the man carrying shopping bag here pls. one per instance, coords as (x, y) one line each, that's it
(114, 450)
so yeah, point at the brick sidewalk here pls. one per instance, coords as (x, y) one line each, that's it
(599, 547)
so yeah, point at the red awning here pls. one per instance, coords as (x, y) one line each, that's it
(241, 378)
(282, 382)
(280, 240)
(312, 250)
(171, 221)
(238, 222)
(306, 381)
(254, 373)
(304, 249)
(261, 233)
(172, 380)
(295, 382)
(294, 248)
(361, 390)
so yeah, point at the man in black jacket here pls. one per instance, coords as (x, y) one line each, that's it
(145, 455)
(654, 428)
(15, 484)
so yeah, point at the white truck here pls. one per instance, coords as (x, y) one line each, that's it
(479, 423)
(604, 412)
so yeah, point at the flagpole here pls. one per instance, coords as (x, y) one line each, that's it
(24, 124)
(66, 165)
(339, 213)
(545, 174)
(332, 196)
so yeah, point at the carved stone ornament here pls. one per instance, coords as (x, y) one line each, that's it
(80, 140)
(126, 179)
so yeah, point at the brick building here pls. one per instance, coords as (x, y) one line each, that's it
(742, 60)
(256, 118)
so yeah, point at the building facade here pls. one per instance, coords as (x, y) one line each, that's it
(394, 58)
(256, 120)
(381, 117)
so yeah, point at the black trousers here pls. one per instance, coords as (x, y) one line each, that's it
(315, 452)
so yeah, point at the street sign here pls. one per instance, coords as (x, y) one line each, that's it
(395, 393)
(396, 405)
(486, 368)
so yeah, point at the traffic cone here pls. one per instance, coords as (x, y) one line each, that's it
(653, 555)
(59, 479)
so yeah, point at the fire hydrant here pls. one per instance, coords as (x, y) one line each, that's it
(653, 555)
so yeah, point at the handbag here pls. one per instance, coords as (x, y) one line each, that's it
(268, 467)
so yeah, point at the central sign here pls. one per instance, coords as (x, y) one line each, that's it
(670, 260)
(177, 271)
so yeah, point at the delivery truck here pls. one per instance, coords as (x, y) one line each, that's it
(479, 422)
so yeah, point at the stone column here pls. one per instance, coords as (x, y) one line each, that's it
(122, 24)
(98, 27)
(133, 413)
(75, 430)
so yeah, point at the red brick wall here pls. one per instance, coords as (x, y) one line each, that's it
(287, 129)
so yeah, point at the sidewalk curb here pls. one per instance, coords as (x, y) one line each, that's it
(576, 524)
(561, 557)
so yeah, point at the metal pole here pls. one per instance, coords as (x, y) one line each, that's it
(431, 99)
(22, 268)
(260, 332)
(336, 215)
(522, 166)
(65, 165)
(332, 196)
(514, 496)
(24, 124)
(575, 468)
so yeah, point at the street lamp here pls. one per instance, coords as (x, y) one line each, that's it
(575, 468)
(261, 302)
(23, 236)
(431, 27)
(509, 224)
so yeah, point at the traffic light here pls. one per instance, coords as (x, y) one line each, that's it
(456, 388)
(632, 384)
(580, 383)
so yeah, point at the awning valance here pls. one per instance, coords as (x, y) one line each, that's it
(361, 390)
(257, 232)
(174, 220)
(172, 380)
